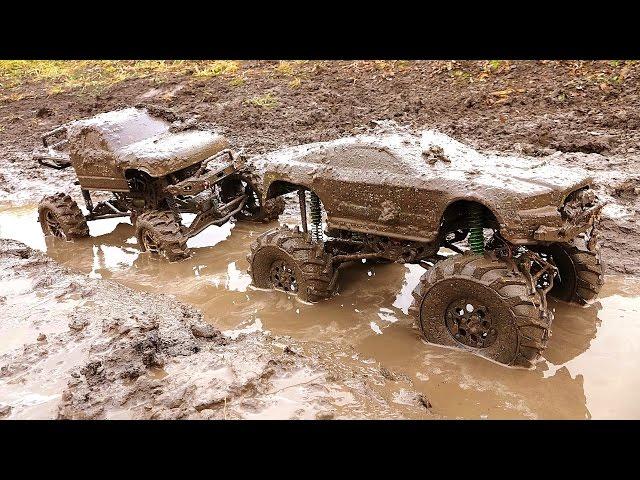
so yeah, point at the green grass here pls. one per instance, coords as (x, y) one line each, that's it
(236, 81)
(264, 101)
(216, 68)
(93, 76)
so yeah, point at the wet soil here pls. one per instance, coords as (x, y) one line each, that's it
(80, 348)
(356, 355)
(360, 345)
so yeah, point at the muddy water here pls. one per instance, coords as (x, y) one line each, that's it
(590, 369)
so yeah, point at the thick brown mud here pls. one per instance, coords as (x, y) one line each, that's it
(373, 361)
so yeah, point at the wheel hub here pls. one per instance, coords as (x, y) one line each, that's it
(470, 323)
(283, 276)
(54, 225)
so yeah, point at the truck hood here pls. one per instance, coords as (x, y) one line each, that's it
(168, 152)
(530, 180)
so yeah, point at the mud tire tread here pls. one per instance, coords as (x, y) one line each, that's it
(587, 268)
(532, 325)
(313, 262)
(172, 243)
(68, 214)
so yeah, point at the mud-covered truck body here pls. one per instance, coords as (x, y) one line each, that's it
(518, 229)
(156, 170)
(405, 187)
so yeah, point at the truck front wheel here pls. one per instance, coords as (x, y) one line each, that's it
(285, 259)
(60, 216)
(481, 305)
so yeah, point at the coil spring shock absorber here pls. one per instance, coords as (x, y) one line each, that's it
(316, 217)
(476, 224)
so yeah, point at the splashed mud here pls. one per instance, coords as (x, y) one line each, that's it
(356, 355)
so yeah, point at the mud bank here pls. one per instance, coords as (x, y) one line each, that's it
(74, 347)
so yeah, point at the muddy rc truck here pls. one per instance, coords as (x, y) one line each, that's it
(497, 234)
(156, 168)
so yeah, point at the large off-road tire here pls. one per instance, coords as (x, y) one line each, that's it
(288, 260)
(159, 233)
(254, 210)
(580, 272)
(60, 216)
(481, 305)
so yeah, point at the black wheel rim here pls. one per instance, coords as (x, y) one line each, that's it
(149, 243)
(283, 276)
(470, 322)
(53, 225)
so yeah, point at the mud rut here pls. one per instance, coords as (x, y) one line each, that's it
(356, 355)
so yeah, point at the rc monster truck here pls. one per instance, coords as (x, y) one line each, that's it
(156, 168)
(514, 232)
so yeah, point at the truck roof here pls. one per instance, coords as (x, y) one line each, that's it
(432, 157)
(121, 128)
(139, 140)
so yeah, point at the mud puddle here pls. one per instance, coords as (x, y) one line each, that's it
(590, 368)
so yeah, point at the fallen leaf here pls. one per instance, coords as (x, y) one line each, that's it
(503, 93)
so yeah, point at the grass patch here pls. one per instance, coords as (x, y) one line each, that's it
(382, 65)
(216, 68)
(236, 81)
(285, 68)
(264, 101)
(494, 64)
(462, 75)
(295, 83)
(93, 76)
(290, 68)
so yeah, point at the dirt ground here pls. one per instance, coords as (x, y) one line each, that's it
(150, 356)
(573, 112)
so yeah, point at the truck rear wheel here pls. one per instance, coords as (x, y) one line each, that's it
(288, 260)
(580, 272)
(159, 233)
(480, 305)
(60, 216)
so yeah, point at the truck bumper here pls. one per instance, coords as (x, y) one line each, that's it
(586, 221)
